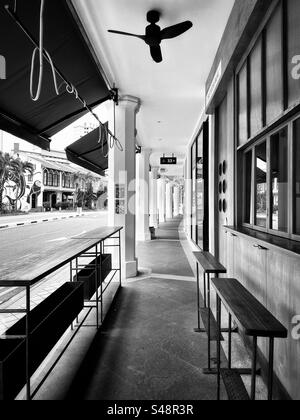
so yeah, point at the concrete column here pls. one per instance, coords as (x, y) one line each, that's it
(162, 200)
(142, 208)
(153, 197)
(169, 200)
(176, 198)
(122, 181)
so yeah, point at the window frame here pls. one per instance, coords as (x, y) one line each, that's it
(67, 180)
(194, 154)
(291, 177)
(194, 148)
(56, 179)
(261, 33)
(45, 177)
(50, 179)
(290, 114)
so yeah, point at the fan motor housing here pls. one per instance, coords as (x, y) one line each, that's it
(153, 35)
(153, 16)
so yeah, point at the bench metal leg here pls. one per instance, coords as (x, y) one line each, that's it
(254, 363)
(229, 341)
(28, 385)
(209, 321)
(120, 258)
(100, 282)
(199, 329)
(205, 292)
(218, 348)
(271, 366)
(198, 297)
(77, 270)
(98, 268)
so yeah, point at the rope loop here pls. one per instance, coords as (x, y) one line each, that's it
(112, 141)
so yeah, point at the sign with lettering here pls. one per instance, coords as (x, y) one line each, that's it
(168, 161)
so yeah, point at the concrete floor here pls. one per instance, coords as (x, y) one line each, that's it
(147, 349)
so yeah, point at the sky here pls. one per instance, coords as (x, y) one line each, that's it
(66, 137)
(61, 140)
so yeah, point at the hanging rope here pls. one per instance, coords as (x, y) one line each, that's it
(70, 89)
(110, 138)
(40, 50)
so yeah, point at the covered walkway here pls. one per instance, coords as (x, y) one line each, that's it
(147, 349)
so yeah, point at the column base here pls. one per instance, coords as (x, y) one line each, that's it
(144, 237)
(131, 269)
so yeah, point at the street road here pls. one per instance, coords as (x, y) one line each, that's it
(22, 242)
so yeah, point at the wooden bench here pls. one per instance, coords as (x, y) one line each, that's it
(210, 266)
(253, 320)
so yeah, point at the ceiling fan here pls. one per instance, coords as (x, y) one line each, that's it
(155, 35)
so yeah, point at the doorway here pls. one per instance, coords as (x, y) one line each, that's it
(33, 201)
(53, 200)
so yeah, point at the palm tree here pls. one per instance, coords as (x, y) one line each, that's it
(13, 170)
(20, 169)
(82, 186)
(5, 168)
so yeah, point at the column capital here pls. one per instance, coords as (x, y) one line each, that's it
(130, 101)
(146, 151)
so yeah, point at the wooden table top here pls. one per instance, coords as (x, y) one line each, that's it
(249, 314)
(18, 273)
(100, 234)
(209, 263)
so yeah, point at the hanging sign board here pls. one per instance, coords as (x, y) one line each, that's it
(168, 161)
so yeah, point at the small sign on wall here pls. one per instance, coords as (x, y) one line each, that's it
(168, 161)
(120, 199)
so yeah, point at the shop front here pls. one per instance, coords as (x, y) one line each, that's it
(253, 107)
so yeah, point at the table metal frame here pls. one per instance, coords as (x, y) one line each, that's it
(99, 247)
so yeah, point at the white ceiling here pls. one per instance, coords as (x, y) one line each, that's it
(171, 92)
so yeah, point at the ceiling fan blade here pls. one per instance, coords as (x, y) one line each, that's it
(176, 30)
(156, 54)
(127, 34)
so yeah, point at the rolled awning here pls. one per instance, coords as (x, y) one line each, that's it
(37, 121)
(89, 153)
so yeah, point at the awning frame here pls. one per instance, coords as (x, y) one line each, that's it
(88, 162)
(113, 95)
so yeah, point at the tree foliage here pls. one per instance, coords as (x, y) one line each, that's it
(13, 170)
